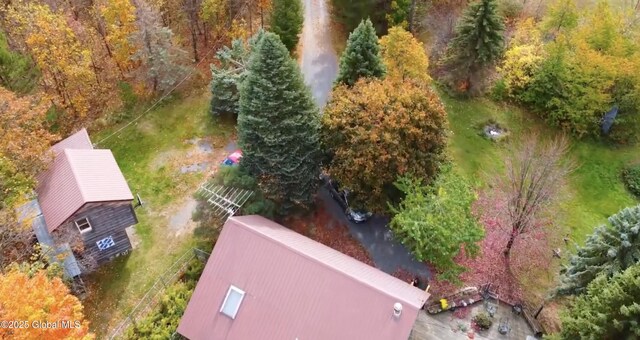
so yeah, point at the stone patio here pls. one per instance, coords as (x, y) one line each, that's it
(445, 325)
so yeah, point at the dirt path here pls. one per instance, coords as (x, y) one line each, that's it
(318, 60)
(203, 157)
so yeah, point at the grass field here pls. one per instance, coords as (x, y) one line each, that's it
(594, 190)
(138, 149)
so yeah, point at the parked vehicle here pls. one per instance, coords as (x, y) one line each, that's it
(342, 197)
(233, 158)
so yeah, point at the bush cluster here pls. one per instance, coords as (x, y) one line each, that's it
(631, 177)
(162, 322)
(482, 320)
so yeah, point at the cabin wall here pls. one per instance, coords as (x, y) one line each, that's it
(107, 219)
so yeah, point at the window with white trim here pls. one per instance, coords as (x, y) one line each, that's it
(232, 302)
(105, 243)
(83, 225)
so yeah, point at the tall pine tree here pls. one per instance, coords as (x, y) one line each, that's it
(278, 126)
(361, 58)
(610, 309)
(17, 72)
(286, 21)
(478, 39)
(228, 75)
(609, 250)
(161, 59)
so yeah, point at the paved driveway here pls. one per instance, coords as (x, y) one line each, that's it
(388, 254)
(318, 60)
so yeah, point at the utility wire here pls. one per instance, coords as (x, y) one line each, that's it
(189, 74)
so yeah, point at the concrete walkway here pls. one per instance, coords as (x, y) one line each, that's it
(388, 254)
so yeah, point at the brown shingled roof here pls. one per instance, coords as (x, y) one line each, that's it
(295, 288)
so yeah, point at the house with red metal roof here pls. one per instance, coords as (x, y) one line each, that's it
(83, 204)
(264, 281)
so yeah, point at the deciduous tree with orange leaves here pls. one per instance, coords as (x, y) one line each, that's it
(379, 130)
(25, 140)
(23, 153)
(40, 307)
(66, 65)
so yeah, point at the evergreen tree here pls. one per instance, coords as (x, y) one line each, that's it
(227, 77)
(286, 21)
(225, 97)
(610, 309)
(17, 72)
(349, 13)
(478, 39)
(609, 250)
(162, 61)
(278, 126)
(361, 58)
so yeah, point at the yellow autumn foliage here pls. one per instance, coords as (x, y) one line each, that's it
(66, 65)
(36, 303)
(120, 21)
(404, 56)
(522, 58)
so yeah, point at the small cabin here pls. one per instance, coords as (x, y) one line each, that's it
(83, 204)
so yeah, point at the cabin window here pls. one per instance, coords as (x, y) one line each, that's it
(105, 243)
(232, 302)
(83, 225)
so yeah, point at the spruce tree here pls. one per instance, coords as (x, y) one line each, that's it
(609, 250)
(361, 58)
(610, 309)
(478, 39)
(228, 75)
(286, 21)
(278, 126)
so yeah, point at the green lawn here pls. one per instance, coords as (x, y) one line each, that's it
(119, 285)
(594, 190)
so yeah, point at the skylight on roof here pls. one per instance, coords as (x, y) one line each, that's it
(232, 302)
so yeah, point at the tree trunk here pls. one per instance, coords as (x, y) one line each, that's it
(250, 20)
(95, 69)
(206, 34)
(507, 250)
(412, 14)
(194, 43)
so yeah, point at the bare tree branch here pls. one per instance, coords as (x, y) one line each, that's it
(535, 171)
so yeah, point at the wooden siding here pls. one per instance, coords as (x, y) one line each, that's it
(107, 219)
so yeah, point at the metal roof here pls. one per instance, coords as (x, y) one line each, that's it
(79, 140)
(295, 288)
(78, 175)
